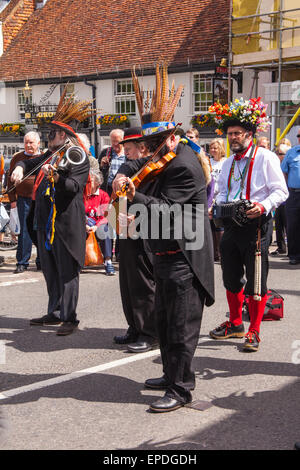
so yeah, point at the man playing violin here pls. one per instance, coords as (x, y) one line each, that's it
(183, 264)
(59, 221)
(137, 286)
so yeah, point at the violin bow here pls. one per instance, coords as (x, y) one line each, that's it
(35, 168)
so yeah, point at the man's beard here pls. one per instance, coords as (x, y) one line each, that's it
(54, 148)
(240, 147)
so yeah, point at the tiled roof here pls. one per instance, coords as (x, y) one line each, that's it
(74, 37)
(13, 18)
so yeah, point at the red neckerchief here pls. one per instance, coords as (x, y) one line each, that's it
(238, 156)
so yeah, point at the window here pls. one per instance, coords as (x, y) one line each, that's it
(124, 97)
(22, 103)
(202, 92)
(70, 89)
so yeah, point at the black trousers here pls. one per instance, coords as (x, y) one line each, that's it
(292, 207)
(280, 227)
(61, 273)
(137, 287)
(237, 248)
(179, 307)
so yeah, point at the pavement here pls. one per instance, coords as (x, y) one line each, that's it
(83, 392)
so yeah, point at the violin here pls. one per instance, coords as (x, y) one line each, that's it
(150, 170)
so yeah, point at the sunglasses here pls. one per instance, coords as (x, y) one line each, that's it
(280, 153)
(52, 134)
(298, 136)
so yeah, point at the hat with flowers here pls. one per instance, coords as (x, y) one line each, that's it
(250, 114)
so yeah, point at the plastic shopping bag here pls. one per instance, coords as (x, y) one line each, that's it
(93, 254)
(4, 217)
(14, 222)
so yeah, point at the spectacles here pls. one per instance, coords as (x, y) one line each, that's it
(237, 134)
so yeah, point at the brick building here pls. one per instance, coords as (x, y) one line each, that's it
(93, 45)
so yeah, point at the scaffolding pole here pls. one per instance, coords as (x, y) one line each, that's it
(279, 65)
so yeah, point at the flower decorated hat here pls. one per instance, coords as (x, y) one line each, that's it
(158, 121)
(250, 114)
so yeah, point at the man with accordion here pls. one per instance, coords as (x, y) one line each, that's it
(251, 185)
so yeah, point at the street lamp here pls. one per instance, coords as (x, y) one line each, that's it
(27, 94)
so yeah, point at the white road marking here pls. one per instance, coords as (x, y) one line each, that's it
(20, 281)
(77, 374)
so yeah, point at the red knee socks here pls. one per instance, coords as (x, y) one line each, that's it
(235, 302)
(256, 312)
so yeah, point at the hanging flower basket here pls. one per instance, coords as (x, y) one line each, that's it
(204, 122)
(12, 129)
(113, 121)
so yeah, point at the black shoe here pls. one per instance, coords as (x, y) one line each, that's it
(228, 330)
(166, 404)
(20, 269)
(278, 252)
(251, 341)
(1, 260)
(67, 328)
(128, 338)
(45, 320)
(297, 445)
(294, 261)
(157, 384)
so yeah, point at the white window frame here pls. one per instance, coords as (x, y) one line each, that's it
(21, 101)
(204, 88)
(124, 97)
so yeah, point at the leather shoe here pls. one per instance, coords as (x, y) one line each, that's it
(160, 383)
(166, 404)
(129, 337)
(67, 328)
(141, 346)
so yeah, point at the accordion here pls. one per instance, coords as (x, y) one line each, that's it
(233, 210)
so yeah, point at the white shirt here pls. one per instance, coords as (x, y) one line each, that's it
(268, 186)
(216, 170)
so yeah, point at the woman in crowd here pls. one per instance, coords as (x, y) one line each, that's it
(96, 201)
(217, 158)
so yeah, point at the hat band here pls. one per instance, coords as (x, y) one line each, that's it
(64, 126)
(154, 127)
(132, 136)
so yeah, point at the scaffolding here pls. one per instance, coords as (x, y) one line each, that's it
(264, 35)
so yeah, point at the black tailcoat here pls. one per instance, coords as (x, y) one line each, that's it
(182, 182)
